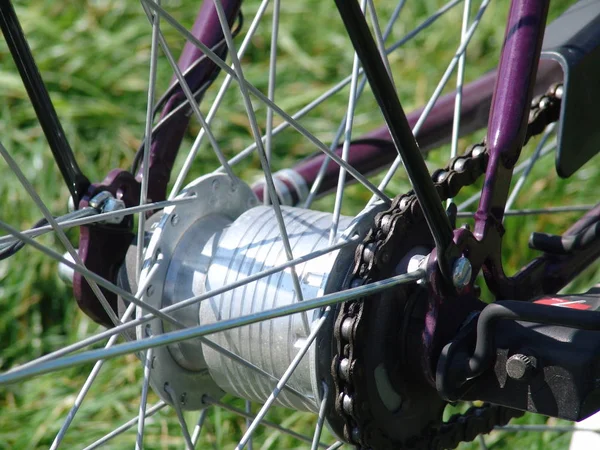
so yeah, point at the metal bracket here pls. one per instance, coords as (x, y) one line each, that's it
(573, 40)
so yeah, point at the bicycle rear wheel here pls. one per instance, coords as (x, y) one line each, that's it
(308, 58)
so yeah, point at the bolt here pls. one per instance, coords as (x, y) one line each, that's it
(520, 366)
(461, 272)
(99, 199)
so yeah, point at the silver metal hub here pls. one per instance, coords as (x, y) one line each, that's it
(222, 239)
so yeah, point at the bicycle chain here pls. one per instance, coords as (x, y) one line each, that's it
(372, 259)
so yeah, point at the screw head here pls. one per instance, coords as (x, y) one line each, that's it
(520, 366)
(461, 272)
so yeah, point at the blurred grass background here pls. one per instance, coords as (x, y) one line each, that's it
(93, 56)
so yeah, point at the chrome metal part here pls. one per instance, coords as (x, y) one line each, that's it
(223, 238)
(461, 272)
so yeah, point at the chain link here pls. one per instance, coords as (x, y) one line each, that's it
(372, 263)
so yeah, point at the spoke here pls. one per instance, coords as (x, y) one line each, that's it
(94, 278)
(126, 426)
(529, 167)
(148, 140)
(98, 365)
(316, 327)
(216, 104)
(177, 407)
(271, 88)
(198, 427)
(140, 321)
(460, 77)
(352, 99)
(336, 446)
(482, 444)
(261, 152)
(193, 104)
(252, 89)
(60, 233)
(320, 419)
(438, 91)
(520, 168)
(363, 83)
(265, 423)
(249, 421)
(338, 87)
(89, 216)
(379, 38)
(203, 330)
(139, 442)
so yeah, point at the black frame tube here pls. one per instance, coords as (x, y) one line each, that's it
(400, 131)
(76, 181)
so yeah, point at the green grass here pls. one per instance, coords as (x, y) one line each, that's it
(94, 58)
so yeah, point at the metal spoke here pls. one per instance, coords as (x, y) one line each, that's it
(265, 423)
(148, 140)
(203, 330)
(352, 99)
(363, 83)
(252, 89)
(336, 446)
(316, 327)
(437, 92)
(460, 77)
(534, 158)
(139, 442)
(98, 365)
(520, 168)
(338, 87)
(216, 104)
(177, 407)
(261, 153)
(249, 421)
(126, 426)
(94, 278)
(140, 321)
(60, 233)
(89, 216)
(192, 102)
(379, 39)
(320, 419)
(198, 427)
(271, 87)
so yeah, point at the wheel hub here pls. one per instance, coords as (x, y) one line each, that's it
(221, 238)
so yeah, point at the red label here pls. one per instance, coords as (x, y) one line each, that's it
(564, 303)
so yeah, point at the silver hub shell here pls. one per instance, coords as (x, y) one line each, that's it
(223, 238)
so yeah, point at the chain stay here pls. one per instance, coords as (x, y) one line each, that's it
(371, 264)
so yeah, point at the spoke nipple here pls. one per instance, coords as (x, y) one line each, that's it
(174, 219)
(461, 272)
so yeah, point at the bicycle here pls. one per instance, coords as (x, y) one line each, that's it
(188, 227)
